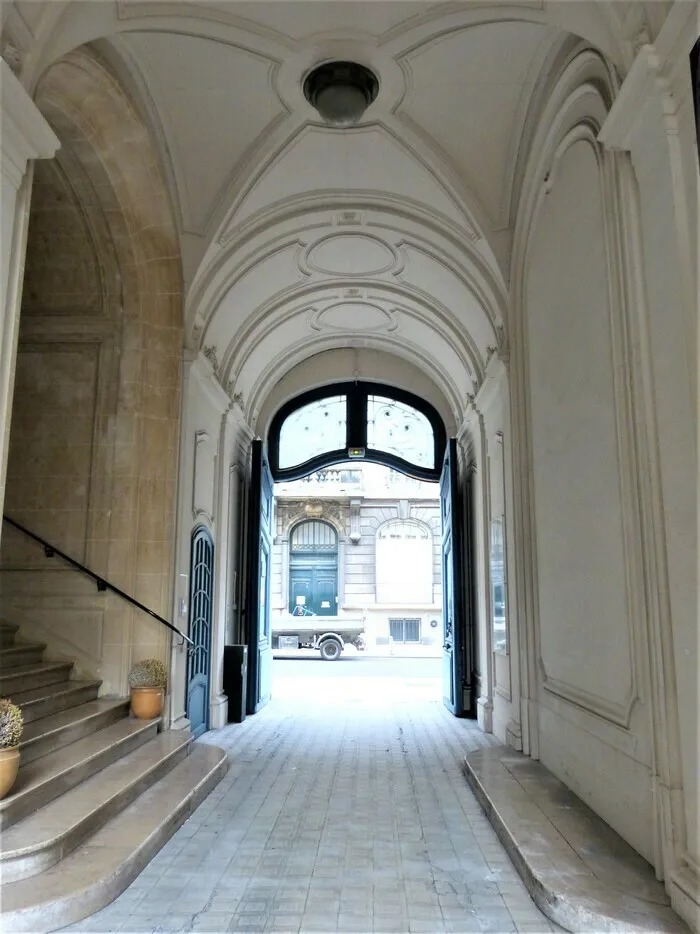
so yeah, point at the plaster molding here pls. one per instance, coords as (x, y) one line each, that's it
(283, 144)
(202, 369)
(25, 133)
(403, 299)
(381, 215)
(584, 87)
(653, 73)
(615, 712)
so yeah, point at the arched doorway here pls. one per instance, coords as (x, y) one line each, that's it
(353, 421)
(313, 568)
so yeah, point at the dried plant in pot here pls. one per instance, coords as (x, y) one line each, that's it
(147, 680)
(11, 726)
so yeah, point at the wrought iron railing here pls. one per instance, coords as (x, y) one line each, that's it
(51, 552)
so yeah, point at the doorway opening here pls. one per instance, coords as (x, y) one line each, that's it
(357, 539)
(356, 580)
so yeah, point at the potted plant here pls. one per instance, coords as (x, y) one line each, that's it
(147, 680)
(11, 725)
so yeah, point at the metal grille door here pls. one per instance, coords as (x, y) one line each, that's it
(199, 664)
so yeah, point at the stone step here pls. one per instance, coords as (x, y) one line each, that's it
(7, 634)
(580, 873)
(48, 734)
(22, 653)
(48, 835)
(47, 700)
(45, 779)
(93, 875)
(26, 677)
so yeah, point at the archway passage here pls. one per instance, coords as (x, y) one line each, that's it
(373, 423)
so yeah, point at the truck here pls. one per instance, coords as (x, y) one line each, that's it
(328, 634)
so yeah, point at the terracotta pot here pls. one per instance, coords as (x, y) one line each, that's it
(147, 703)
(9, 763)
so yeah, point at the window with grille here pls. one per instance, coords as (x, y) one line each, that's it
(404, 562)
(404, 630)
(313, 535)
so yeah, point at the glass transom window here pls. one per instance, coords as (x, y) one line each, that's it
(314, 428)
(365, 421)
(400, 429)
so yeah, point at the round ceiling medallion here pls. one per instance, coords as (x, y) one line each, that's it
(350, 255)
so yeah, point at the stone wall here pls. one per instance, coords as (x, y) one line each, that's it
(94, 435)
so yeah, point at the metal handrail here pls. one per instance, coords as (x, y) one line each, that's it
(50, 551)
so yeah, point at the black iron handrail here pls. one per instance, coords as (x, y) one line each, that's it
(50, 551)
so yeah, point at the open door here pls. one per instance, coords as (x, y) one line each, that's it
(258, 581)
(452, 585)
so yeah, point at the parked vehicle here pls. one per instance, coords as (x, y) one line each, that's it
(328, 634)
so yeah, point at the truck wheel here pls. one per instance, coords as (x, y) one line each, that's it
(330, 650)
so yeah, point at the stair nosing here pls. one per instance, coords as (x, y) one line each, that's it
(83, 900)
(148, 771)
(22, 647)
(6, 804)
(110, 706)
(52, 689)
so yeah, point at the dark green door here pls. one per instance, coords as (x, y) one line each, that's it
(317, 587)
(313, 568)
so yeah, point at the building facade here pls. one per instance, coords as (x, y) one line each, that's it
(361, 541)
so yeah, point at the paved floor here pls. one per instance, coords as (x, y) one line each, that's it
(341, 812)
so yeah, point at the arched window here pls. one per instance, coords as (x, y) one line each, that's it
(404, 562)
(313, 535)
(360, 420)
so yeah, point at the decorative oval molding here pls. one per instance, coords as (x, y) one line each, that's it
(353, 316)
(350, 254)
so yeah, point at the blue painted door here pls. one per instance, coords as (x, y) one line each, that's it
(257, 609)
(199, 658)
(452, 585)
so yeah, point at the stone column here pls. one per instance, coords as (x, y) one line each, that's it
(25, 136)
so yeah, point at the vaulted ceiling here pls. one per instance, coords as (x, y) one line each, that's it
(297, 237)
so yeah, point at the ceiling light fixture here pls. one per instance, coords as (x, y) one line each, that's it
(341, 91)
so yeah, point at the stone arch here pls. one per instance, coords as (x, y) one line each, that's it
(98, 375)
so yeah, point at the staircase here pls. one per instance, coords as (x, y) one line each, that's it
(97, 795)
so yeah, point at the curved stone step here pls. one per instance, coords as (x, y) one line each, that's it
(48, 835)
(21, 653)
(40, 737)
(45, 779)
(579, 872)
(96, 873)
(28, 677)
(52, 698)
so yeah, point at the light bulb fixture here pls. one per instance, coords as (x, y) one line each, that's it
(341, 91)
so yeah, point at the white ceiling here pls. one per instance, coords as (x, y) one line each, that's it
(413, 208)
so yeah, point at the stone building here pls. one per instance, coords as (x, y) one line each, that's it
(215, 215)
(372, 538)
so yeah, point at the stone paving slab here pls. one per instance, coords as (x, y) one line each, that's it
(347, 817)
(581, 873)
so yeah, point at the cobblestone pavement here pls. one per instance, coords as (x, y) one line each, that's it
(334, 817)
